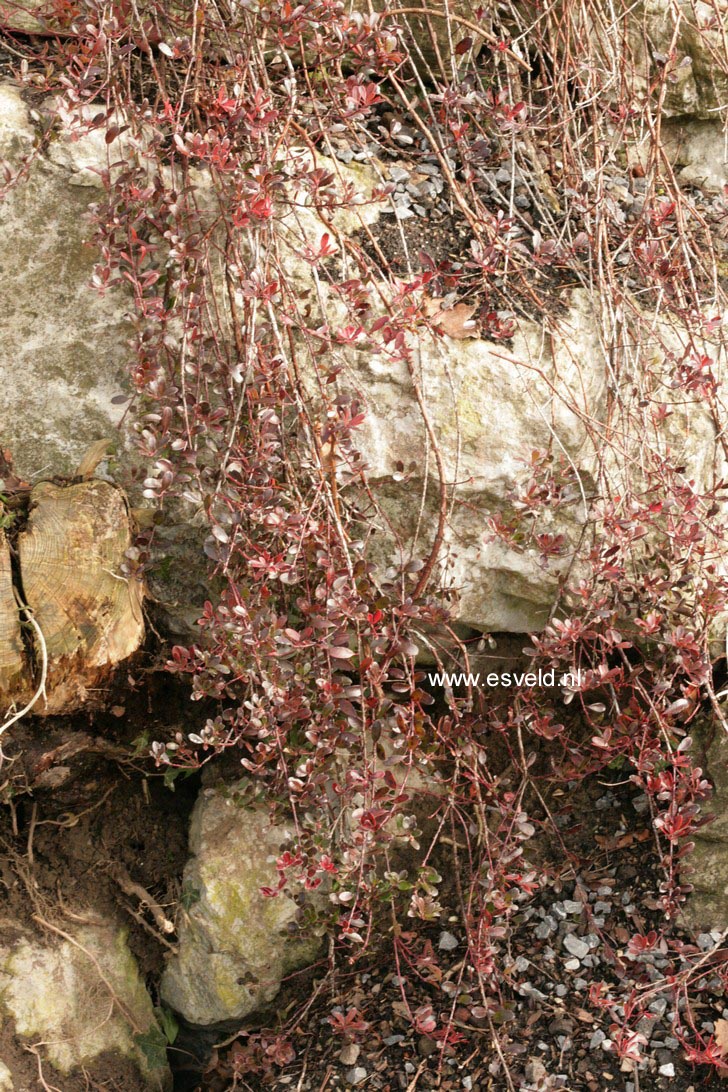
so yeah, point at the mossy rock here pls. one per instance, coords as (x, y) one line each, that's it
(235, 944)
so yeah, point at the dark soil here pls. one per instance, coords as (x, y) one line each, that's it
(84, 805)
(445, 239)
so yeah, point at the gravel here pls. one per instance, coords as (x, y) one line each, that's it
(576, 946)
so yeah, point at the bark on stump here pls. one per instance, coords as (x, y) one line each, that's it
(12, 664)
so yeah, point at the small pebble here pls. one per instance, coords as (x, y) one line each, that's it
(572, 965)
(415, 189)
(447, 942)
(645, 1026)
(667, 1070)
(536, 1072)
(349, 1054)
(571, 906)
(527, 989)
(357, 1075)
(576, 946)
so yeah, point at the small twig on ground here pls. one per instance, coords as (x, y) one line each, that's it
(129, 887)
(31, 832)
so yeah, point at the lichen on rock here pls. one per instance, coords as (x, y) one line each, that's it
(78, 999)
(235, 944)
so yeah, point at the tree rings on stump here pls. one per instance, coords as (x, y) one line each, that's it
(88, 611)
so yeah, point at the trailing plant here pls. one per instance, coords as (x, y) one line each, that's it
(223, 200)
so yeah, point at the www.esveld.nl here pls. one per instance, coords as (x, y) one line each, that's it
(571, 679)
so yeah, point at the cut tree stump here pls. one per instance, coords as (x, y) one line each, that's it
(89, 613)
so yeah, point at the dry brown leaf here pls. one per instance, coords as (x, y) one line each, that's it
(456, 322)
(721, 1036)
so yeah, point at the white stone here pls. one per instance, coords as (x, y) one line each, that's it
(78, 999)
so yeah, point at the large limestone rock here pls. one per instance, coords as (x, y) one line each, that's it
(707, 907)
(29, 16)
(76, 1000)
(63, 346)
(489, 407)
(235, 945)
(433, 31)
(697, 82)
